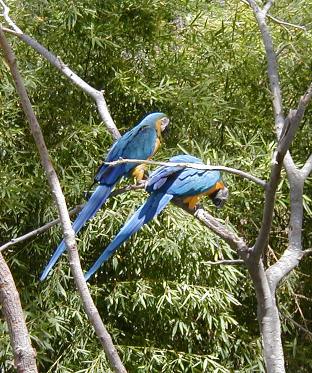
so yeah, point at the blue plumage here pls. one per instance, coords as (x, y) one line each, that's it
(141, 142)
(164, 184)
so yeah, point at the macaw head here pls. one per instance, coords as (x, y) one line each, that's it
(159, 120)
(220, 195)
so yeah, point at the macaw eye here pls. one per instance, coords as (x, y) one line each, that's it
(164, 123)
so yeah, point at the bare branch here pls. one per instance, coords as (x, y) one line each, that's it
(224, 262)
(196, 166)
(293, 121)
(272, 66)
(97, 96)
(38, 231)
(284, 23)
(69, 235)
(230, 237)
(267, 7)
(293, 254)
(307, 168)
(73, 211)
(24, 354)
(5, 14)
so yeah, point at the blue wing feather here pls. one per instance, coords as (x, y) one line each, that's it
(153, 206)
(95, 202)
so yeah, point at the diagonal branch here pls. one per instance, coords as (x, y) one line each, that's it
(69, 235)
(97, 96)
(221, 230)
(38, 231)
(54, 222)
(6, 16)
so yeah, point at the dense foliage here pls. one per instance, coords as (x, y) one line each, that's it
(202, 63)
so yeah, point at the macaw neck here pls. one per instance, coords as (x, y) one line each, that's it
(158, 128)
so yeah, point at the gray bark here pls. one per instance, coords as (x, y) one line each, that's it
(24, 354)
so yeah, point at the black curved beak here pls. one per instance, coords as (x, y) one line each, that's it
(220, 197)
(164, 123)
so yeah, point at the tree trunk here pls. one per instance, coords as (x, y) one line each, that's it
(24, 354)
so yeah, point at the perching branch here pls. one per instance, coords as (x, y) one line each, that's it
(221, 230)
(69, 235)
(24, 354)
(196, 166)
(97, 96)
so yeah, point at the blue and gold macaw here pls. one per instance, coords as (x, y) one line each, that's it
(164, 184)
(141, 142)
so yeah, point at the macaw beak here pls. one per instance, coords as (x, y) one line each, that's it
(220, 197)
(164, 123)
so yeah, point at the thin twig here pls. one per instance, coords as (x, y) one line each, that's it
(71, 212)
(38, 231)
(299, 326)
(196, 166)
(224, 262)
(68, 232)
(284, 23)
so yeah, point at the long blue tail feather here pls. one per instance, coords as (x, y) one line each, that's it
(155, 203)
(95, 202)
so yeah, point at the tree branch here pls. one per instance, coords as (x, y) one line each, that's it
(69, 235)
(6, 16)
(284, 23)
(24, 354)
(306, 252)
(97, 96)
(234, 241)
(307, 168)
(296, 324)
(71, 212)
(267, 7)
(285, 130)
(293, 121)
(272, 66)
(196, 166)
(224, 262)
(38, 231)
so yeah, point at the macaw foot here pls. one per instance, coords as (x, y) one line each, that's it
(138, 172)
